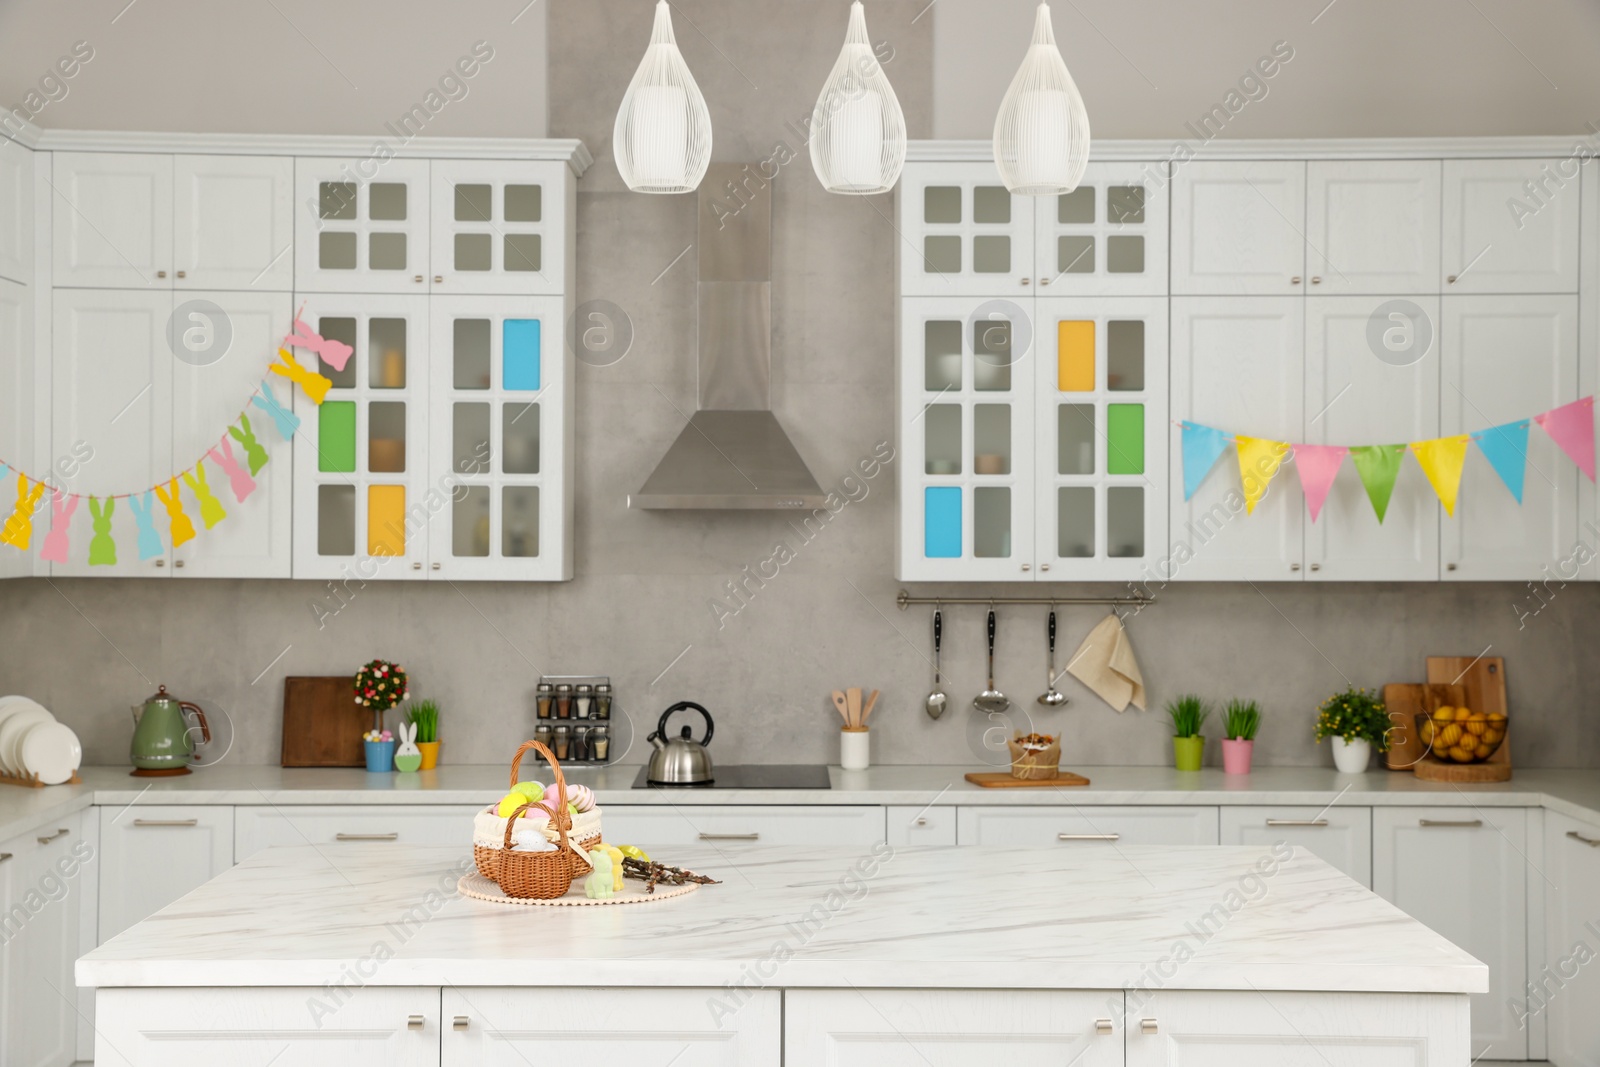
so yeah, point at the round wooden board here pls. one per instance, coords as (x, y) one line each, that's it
(478, 887)
(1431, 770)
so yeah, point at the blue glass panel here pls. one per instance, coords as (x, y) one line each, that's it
(521, 354)
(942, 522)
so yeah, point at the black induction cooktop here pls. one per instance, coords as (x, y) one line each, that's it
(753, 776)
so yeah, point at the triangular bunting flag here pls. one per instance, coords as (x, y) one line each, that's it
(1572, 427)
(1506, 449)
(1378, 466)
(1318, 465)
(1259, 460)
(1201, 447)
(1441, 460)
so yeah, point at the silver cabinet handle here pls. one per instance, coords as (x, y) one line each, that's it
(922, 822)
(1087, 837)
(1295, 280)
(177, 563)
(1026, 281)
(63, 832)
(161, 274)
(1316, 566)
(436, 566)
(1590, 841)
(438, 279)
(1316, 279)
(1469, 823)
(161, 563)
(1297, 822)
(1449, 566)
(4, 856)
(414, 1022)
(1147, 1026)
(1044, 281)
(1294, 566)
(183, 274)
(730, 837)
(166, 822)
(417, 278)
(459, 1023)
(367, 837)
(1451, 279)
(416, 566)
(1103, 1027)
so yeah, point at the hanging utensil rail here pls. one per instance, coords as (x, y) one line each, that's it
(905, 600)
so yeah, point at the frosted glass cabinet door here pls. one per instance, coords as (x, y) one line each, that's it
(1500, 239)
(16, 211)
(1372, 226)
(963, 233)
(361, 485)
(112, 216)
(1238, 227)
(355, 233)
(1108, 236)
(1506, 358)
(1354, 397)
(1237, 366)
(254, 540)
(497, 226)
(17, 369)
(111, 419)
(233, 222)
(1101, 431)
(967, 444)
(497, 439)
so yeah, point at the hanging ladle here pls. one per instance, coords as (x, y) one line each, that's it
(936, 699)
(1052, 697)
(991, 701)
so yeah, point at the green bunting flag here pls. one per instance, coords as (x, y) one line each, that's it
(1378, 466)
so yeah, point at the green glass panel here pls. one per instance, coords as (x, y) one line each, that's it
(1124, 438)
(336, 436)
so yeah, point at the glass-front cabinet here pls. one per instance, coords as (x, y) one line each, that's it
(496, 227)
(1109, 235)
(360, 234)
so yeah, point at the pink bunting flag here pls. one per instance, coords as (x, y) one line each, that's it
(1318, 464)
(1572, 427)
(55, 542)
(238, 478)
(334, 353)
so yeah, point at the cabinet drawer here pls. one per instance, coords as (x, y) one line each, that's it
(150, 855)
(725, 826)
(910, 825)
(1087, 826)
(257, 828)
(1339, 836)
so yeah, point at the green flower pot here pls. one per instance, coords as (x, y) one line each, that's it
(1188, 752)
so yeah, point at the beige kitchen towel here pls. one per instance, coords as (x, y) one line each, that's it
(1105, 663)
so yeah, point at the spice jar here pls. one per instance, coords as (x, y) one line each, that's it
(584, 698)
(564, 701)
(563, 739)
(580, 742)
(600, 743)
(545, 696)
(602, 700)
(543, 734)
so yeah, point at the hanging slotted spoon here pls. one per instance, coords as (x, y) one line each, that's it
(991, 701)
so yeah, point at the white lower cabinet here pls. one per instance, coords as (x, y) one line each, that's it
(952, 1028)
(1087, 826)
(1259, 1029)
(151, 855)
(1341, 837)
(369, 1026)
(41, 896)
(1463, 872)
(732, 826)
(681, 1027)
(256, 828)
(927, 825)
(1567, 991)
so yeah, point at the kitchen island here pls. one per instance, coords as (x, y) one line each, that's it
(358, 954)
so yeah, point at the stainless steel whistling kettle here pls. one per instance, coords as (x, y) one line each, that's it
(681, 760)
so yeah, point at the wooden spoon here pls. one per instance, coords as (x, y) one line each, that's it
(839, 702)
(855, 705)
(866, 712)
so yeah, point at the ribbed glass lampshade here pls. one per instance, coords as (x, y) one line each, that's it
(662, 137)
(1041, 135)
(858, 133)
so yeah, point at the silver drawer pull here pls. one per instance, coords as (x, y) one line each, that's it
(1147, 1026)
(414, 1022)
(367, 837)
(1103, 1027)
(1087, 837)
(63, 832)
(730, 837)
(1468, 823)
(166, 822)
(1297, 822)
(459, 1023)
(1590, 841)
(922, 822)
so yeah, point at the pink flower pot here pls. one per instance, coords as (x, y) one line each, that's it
(1236, 756)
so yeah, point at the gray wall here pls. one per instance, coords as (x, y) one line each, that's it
(641, 605)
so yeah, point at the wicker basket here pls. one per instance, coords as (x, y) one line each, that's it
(541, 875)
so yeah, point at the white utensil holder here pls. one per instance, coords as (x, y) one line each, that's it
(853, 748)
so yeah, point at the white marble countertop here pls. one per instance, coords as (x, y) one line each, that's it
(1179, 918)
(1572, 792)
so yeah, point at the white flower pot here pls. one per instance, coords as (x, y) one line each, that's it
(1351, 756)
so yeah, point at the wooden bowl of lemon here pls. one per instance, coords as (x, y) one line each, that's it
(1461, 735)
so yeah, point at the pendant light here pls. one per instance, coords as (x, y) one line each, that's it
(858, 133)
(1041, 135)
(662, 137)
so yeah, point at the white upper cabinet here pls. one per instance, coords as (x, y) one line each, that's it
(112, 216)
(963, 233)
(497, 227)
(1355, 396)
(17, 380)
(16, 212)
(1237, 366)
(358, 234)
(1509, 358)
(1238, 227)
(1109, 235)
(233, 222)
(1510, 226)
(1372, 226)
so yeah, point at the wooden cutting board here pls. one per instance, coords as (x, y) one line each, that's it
(1405, 701)
(322, 723)
(1003, 780)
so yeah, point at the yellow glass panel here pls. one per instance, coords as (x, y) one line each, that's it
(386, 520)
(1075, 357)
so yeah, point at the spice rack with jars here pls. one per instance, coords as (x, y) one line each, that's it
(577, 718)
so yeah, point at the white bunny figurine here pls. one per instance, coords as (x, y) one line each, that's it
(408, 757)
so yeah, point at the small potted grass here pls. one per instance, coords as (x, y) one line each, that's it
(1188, 714)
(424, 715)
(1240, 723)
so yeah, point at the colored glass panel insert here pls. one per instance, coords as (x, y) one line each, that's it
(336, 436)
(941, 526)
(1124, 438)
(386, 520)
(520, 354)
(1075, 356)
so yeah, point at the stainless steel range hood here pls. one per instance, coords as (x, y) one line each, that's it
(733, 454)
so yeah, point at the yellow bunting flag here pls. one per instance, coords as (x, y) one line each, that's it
(18, 530)
(1259, 460)
(1441, 460)
(181, 529)
(311, 383)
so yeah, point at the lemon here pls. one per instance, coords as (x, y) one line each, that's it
(1427, 731)
(1495, 716)
(1477, 727)
(1461, 755)
(1444, 714)
(1483, 751)
(1493, 736)
(1450, 736)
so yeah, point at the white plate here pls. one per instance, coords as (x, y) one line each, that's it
(50, 750)
(11, 705)
(11, 732)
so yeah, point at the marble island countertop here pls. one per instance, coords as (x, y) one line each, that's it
(1575, 793)
(1181, 918)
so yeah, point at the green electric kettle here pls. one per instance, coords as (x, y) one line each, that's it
(163, 740)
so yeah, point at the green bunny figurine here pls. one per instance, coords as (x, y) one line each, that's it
(599, 884)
